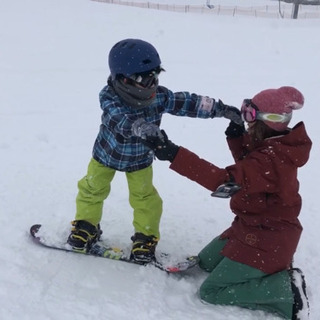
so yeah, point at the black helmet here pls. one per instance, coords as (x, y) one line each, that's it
(132, 56)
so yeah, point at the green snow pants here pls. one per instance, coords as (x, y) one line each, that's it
(95, 187)
(237, 284)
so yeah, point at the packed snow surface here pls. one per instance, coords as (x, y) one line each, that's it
(53, 63)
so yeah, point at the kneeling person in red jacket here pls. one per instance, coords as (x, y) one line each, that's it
(250, 263)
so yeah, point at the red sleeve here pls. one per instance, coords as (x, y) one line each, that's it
(239, 146)
(201, 171)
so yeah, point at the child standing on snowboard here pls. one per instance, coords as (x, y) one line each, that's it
(133, 104)
(250, 264)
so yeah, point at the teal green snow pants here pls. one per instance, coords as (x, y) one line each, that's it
(95, 187)
(237, 284)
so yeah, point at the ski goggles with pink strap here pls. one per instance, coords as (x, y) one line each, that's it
(251, 113)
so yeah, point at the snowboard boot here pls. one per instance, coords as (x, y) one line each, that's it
(301, 303)
(83, 235)
(143, 248)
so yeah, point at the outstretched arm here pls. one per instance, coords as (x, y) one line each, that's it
(206, 174)
(187, 163)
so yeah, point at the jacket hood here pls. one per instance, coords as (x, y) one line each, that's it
(294, 146)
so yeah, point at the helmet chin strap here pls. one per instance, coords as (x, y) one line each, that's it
(136, 97)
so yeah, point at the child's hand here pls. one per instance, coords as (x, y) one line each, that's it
(143, 129)
(228, 112)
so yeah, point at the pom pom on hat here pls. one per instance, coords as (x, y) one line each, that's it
(280, 101)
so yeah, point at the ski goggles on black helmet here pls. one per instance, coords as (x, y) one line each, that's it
(251, 113)
(146, 79)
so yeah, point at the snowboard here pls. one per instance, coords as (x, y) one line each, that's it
(164, 261)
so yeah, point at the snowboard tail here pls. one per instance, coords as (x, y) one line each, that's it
(101, 249)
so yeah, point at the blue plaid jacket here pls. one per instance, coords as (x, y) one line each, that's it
(115, 145)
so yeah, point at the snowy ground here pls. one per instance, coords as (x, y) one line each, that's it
(53, 63)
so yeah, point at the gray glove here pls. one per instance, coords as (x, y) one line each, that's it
(226, 190)
(228, 112)
(144, 129)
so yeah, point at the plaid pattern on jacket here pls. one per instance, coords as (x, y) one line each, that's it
(115, 145)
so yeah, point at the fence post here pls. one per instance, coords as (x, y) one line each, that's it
(295, 9)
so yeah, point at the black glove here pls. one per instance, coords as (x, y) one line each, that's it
(163, 149)
(228, 112)
(235, 130)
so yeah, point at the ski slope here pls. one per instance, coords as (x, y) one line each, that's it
(53, 63)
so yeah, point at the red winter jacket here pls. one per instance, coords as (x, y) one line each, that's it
(266, 230)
